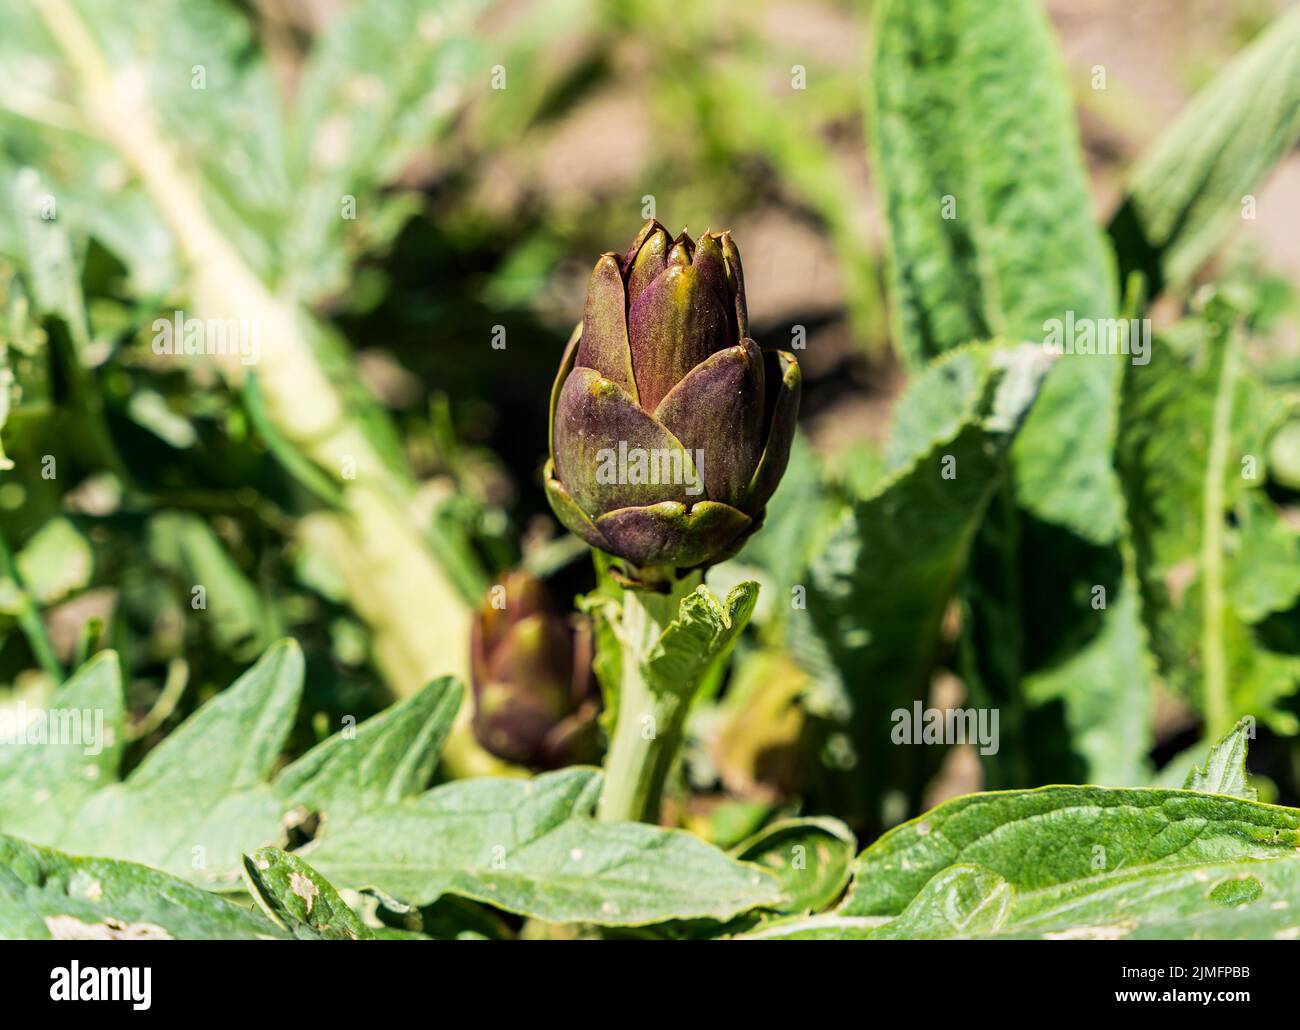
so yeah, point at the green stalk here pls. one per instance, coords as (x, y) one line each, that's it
(1218, 708)
(648, 729)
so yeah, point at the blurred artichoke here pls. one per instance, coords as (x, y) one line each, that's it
(670, 429)
(534, 698)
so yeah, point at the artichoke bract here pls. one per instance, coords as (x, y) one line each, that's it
(535, 701)
(670, 428)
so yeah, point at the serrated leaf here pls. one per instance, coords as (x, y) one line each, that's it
(44, 780)
(298, 899)
(1104, 689)
(812, 858)
(45, 894)
(1205, 536)
(1225, 768)
(530, 846)
(1187, 191)
(702, 633)
(387, 758)
(200, 799)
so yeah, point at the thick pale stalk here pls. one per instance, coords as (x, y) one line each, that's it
(420, 621)
(648, 729)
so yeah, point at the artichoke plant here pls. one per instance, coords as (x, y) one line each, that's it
(534, 695)
(670, 428)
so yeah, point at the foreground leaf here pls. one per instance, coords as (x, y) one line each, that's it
(1241, 900)
(200, 798)
(299, 899)
(812, 859)
(45, 894)
(529, 846)
(1078, 862)
(1060, 835)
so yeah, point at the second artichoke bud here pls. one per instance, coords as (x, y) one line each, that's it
(670, 428)
(534, 695)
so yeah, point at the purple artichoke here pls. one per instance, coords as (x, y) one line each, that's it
(534, 696)
(670, 429)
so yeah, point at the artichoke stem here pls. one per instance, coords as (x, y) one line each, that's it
(648, 729)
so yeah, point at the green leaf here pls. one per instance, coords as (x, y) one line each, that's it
(1187, 192)
(1241, 900)
(703, 633)
(200, 798)
(1225, 768)
(45, 894)
(811, 857)
(1104, 688)
(44, 779)
(875, 607)
(1075, 862)
(1057, 836)
(529, 846)
(969, 102)
(1214, 558)
(299, 899)
(389, 757)
(991, 226)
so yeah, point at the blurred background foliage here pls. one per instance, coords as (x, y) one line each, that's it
(392, 190)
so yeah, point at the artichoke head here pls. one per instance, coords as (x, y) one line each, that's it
(534, 696)
(670, 428)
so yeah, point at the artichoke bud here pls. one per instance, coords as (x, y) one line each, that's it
(670, 428)
(534, 697)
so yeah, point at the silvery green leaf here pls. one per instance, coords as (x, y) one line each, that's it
(531, 847)
(200, 798)
(387, 758)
